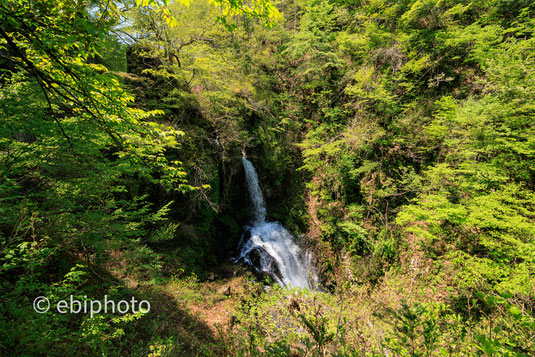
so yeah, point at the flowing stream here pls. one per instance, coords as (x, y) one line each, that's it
(269, 247)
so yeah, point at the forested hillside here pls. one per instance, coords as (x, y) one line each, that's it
(394, 139)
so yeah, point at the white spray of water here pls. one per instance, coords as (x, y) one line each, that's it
(272, 245)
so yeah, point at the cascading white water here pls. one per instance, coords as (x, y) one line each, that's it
(255, 192)
(272, 245)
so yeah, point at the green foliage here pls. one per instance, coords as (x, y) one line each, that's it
(392, 132)
(87, 175)
(283, 321)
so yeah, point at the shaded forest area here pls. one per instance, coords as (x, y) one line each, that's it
(394, 139)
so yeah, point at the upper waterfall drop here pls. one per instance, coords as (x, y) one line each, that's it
(255, 192)
(275, 249)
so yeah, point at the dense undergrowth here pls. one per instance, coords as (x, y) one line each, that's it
(394, 138)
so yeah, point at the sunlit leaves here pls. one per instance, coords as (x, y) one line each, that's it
(68, 79)
(262, 9)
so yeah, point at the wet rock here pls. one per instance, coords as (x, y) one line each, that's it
(255, 259)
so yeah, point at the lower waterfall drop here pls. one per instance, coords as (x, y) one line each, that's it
(269, 247)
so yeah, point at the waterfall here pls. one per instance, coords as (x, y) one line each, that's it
(269, 247)
(255, 192)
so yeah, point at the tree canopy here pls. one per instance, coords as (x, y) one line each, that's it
(395, 139)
